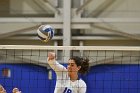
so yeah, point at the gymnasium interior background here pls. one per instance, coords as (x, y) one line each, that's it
(76, 23)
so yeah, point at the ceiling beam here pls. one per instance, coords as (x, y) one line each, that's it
(52, 7)
(105, 20)
(4, 35)
(101, 8)
(60, 20)
(46, 4)
(30, 20)
(116, 31)
(56, 26)
(83, 6)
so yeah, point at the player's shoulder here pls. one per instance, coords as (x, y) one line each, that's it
(82, 82)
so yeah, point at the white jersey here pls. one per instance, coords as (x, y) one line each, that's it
(63, 83)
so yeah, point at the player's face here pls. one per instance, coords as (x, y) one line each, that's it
(72, 67)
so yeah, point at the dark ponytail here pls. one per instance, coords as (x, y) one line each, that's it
(83, 62)
(84, 66)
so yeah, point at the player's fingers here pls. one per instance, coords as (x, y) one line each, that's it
(51, 55)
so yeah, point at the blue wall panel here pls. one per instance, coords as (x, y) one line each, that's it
(28, 78)
(113, 79)
(100, 79)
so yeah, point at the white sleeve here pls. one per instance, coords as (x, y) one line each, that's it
(57, 67)
(82, 90)
(83, 87)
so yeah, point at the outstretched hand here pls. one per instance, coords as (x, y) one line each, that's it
(51, 56)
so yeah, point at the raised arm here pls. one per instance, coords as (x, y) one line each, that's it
(57, 67)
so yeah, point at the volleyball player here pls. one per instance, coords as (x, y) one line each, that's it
(68, 80)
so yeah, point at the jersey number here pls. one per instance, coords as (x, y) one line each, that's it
(67, 90)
